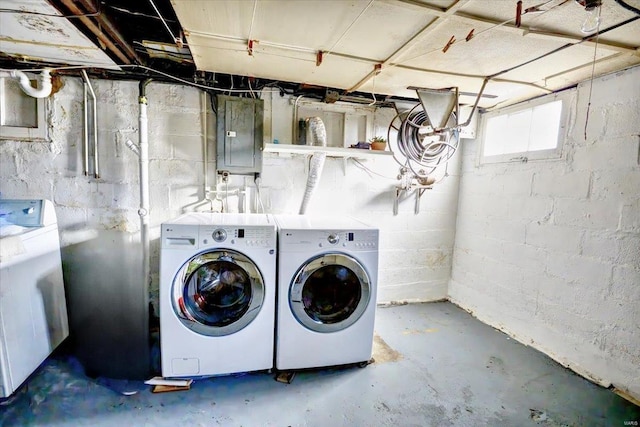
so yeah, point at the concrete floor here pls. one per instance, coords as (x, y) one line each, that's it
(435, 365)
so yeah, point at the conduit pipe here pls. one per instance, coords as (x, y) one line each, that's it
(85, 130)
(205, 150)
(87, 85)
(143, 212)
(44, 80)
(294, 127)
(316, 135)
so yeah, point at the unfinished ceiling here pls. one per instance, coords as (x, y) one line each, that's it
(380, 47)
(42, 33)
(385, 46)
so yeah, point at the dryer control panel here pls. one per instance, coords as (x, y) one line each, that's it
(355, 240)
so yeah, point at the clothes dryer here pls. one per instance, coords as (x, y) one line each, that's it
(327, 279)
(217, 294)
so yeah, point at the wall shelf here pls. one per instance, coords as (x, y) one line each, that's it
(331, 151)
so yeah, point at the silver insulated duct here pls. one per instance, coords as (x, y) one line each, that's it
(316, 136)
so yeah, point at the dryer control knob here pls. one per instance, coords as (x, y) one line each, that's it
(219, 235)
(333, 239)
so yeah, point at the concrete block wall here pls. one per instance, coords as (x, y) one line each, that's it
(86, 206)
(415, 250)
(549, 251)
(415, 260)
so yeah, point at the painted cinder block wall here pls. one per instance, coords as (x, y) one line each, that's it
(549, 251)
(415, 250)
(100, 215)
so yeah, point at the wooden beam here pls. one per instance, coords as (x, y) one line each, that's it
(108, 26)
(70, 4)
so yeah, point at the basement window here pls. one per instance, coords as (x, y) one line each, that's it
(21, 116)
(533, 130)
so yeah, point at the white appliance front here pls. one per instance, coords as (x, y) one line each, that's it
(217, 294)
(33, 309)
(327, 282)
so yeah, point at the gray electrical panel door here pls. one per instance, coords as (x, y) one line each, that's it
(239, 134)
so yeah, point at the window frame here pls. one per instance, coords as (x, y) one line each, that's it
(40, 133)
(568, 99)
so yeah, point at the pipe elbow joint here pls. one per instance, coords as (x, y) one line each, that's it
(44, 80)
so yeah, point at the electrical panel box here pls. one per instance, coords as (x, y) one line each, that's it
(469, 131)
(239, 134)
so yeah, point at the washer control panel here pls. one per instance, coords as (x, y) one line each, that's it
(249, 236)
(26, 213)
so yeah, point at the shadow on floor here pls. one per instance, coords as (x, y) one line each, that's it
(435, 365)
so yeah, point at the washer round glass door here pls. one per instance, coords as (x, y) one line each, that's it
(218, 292)
(330, 292)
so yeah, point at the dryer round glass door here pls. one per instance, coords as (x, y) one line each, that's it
(330, 292)
(218, 292)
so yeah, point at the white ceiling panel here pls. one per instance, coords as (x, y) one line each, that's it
(231, 18)
(566, 59)
(487, 53)
(406, 39)
(317, 24)
(46, 38)
(275, 63)
(561, 16)
(627, 35)
(579, 74)
(384, 27)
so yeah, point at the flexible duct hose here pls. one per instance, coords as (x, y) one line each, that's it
(317, 136)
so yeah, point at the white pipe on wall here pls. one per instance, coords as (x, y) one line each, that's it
(25, 83)
(205, 149)
(143, 212)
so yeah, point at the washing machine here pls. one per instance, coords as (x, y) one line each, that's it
(327, 279)
(33, 309)
(217, 294)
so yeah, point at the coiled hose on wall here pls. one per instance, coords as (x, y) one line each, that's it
(417, 146)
